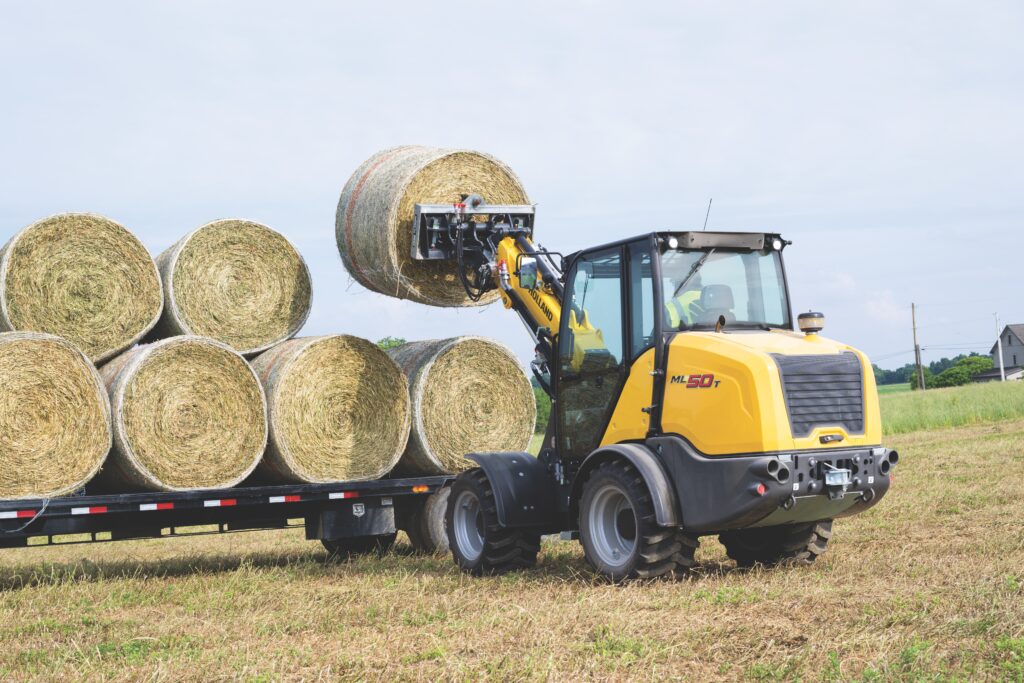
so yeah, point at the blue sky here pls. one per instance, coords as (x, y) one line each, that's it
(884, 139)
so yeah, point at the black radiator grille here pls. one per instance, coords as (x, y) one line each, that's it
(823, 391)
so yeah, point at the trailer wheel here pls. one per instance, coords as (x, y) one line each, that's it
(478, 543)
(346, 548)
(620, 537)
(426, 527)
(789, 544)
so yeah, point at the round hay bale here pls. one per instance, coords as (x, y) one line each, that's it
(189, 413)
(373, 225)
(82, 277)
(54, 417)
(469, 395)
(235, 281)
(339, 410)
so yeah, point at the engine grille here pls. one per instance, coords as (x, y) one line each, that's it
(823, 391)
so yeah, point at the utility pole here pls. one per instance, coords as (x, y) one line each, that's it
(917, 348)
(999, 345)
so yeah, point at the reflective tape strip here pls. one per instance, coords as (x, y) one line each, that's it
(18, 513)
(223, 503)
(343, 494)
(145, 507)
(95, 510)
(285, 499)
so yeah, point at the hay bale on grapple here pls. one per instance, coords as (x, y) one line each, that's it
(235, 281)
(469, 394)
(339, 410)
(373, 226)
(54, 417)
(188, 413)
(82, 277)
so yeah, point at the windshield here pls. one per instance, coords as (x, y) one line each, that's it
(747, 288)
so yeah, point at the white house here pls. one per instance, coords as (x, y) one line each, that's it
(1012, 337)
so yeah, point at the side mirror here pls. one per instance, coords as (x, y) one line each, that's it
(528, 272)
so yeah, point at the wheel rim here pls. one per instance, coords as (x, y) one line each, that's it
(612, 525)
(468, 523)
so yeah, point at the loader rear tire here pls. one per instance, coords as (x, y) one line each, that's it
(347, 548)
(621, 539)
(798, 544)
(479, 544)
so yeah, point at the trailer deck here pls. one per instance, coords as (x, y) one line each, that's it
(328, 512)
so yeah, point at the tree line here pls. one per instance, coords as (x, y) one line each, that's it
(947, 372)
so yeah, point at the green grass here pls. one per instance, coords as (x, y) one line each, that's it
(884, 389)
(910, 411)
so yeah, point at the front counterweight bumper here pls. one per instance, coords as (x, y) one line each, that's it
(718, 493)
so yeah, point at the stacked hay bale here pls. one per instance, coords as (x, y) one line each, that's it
(54, 417)
(189, 413)
(235, 281)
(339, 410)
(373, 226)
(469, 394)
(82, 277)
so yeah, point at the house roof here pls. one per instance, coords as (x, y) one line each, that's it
(1016, 330)
(994, 373)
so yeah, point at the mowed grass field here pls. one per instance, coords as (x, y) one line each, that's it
(929, 585)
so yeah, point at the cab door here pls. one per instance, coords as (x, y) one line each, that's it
(591, 350)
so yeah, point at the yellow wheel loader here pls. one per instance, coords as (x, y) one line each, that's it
(685, 401)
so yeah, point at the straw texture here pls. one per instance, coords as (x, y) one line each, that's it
(469, 395)
(235, 281)
(54, 417)
(373, 225)
(189, 413)
(82, 277)
(339, 410)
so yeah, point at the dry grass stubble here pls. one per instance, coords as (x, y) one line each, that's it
(927, 586)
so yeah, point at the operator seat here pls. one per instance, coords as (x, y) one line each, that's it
(715, 301)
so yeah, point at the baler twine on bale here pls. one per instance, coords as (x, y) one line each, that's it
(189, 413)
(339, 410)
(82, 277)
(469, 395)
(54, 417)
(373, 226)
(235, 281)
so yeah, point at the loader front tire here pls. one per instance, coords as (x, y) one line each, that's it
(479, 544)
(621, 539)
(798, 544)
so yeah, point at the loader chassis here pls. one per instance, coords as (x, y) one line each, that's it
(680, 407)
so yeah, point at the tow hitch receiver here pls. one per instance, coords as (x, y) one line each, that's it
(836, 481)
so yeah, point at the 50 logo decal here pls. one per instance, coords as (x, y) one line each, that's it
(696, 381)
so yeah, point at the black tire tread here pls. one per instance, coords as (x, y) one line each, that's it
(504, 549)
(662, 550)
(798, 544)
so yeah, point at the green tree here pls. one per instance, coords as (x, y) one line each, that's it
(962, 372)
(390, 342)
(543, 408)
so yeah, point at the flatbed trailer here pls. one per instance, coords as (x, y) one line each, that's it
(346, 516)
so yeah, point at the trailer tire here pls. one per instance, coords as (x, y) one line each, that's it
(479, 544)
(616, 520)
(347, 548)
(798, 544)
